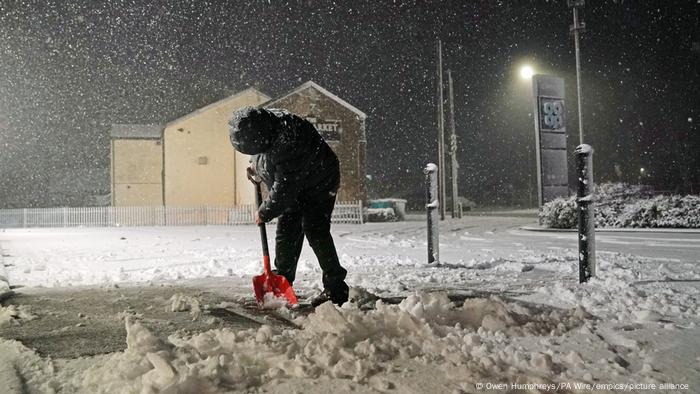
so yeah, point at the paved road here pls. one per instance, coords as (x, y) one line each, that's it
(505, 234)
(671, 246)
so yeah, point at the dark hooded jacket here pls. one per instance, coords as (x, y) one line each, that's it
(291, 157)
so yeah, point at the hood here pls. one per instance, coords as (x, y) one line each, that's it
(253, 130)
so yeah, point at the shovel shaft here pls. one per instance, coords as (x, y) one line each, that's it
(263, 231)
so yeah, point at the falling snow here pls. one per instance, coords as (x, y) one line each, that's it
(70, 69)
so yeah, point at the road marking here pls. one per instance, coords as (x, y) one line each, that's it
(694, 240)
(645, 242)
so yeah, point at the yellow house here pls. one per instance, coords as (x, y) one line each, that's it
(188, 162)
(201, 167)
(136, 165)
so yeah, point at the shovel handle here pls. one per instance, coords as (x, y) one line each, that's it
(263, 231)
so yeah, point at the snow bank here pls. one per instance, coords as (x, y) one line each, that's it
(621, 292)
(13, 314)
(38, 375)
(343, 343)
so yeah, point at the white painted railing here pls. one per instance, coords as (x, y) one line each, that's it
(344, 212)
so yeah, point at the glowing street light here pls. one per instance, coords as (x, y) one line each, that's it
(526, 72)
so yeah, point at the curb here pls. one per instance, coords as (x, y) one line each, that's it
(615, 230)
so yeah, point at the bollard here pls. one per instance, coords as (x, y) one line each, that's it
(432, 203)
(586, 210)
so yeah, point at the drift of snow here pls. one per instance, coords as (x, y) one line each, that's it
(342, 343)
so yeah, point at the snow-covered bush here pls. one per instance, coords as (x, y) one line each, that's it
(622, 205)
(559, 213)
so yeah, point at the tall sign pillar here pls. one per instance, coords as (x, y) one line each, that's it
(550, 137)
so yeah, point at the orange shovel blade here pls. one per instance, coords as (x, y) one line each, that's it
(277, 285)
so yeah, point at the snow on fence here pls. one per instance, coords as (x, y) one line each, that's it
(344, 212)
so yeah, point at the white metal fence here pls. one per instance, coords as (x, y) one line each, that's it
(344, 212)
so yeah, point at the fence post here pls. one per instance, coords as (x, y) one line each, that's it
(586, 213)
(362, 218)
(24, 218)
(432, 203)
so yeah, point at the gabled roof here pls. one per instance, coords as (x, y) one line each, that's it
(316, 86)
(136, 131)
(216, 103)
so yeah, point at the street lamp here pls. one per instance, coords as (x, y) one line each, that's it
(526, 72)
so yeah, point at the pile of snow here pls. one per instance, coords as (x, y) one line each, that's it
(13, 314)
(623, 205)
(623, 291)
(344, 343)
(182, 303)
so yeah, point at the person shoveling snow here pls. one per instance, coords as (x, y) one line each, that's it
(302, 175)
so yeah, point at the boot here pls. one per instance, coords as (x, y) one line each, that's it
(337, 295)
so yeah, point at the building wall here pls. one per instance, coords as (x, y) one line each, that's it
(201, 166)
(245, 191)
(136, 169)
(328, 114)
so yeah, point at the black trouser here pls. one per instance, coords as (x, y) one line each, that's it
(313, 220)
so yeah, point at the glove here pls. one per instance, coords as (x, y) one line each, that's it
(252, 174)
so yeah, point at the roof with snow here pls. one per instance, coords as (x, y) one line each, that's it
(312, 84)
(136, 131)
(216, 103)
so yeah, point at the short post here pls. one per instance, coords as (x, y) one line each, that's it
(432, 203)
(586, 213)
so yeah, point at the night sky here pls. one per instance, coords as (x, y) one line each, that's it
(70, 68)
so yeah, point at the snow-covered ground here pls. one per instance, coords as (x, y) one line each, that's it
(493, 316)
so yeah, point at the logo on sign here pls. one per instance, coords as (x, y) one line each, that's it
(552, 114)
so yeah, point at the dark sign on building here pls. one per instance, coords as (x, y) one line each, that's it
(550, 136)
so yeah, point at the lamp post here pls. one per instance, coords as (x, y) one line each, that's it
(441, 133)
(576, 29)
(526, 72)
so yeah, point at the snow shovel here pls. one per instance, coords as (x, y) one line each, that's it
(268, 283)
